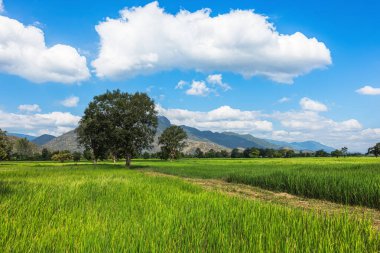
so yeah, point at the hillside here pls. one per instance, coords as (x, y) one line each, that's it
(43, 139)
(205, 140)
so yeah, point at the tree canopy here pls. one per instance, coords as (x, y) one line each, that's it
(119, 123)
(5, 146)
(172, 141)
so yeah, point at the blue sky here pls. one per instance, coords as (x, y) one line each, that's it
(308, 71)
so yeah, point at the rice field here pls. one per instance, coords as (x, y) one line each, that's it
(353, 181)
(50, 207)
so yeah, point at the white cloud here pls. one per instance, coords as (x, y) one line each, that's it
(23, 52)
(312, 105)
(217, 79)
(221, 119)
(147, 39)
(70, 101)
(198, 88)
(295, 125)
(55, 123)
(283, 100)
(29, 108)
(368, 90)
(181, 84)
(1, 6)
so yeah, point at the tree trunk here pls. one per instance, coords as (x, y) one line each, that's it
(114, 159)
(128, 161)
(95, 161)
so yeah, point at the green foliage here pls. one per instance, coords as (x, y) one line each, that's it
(336, 153)
(321, 153)
(5, 146)
(24, 149)
(172, 142)
(62, 156)
(235, 153)
(375, 150)
(120, 123)
(105, 209)
(76, 156)
(45, 154)
(198, 153)
(352, 181)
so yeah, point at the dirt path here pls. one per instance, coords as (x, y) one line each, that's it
(281, 198)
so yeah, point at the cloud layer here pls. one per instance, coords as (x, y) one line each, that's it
(295, 125)
(147, 39)
(29, 108)
(55, 123)
(23, 52)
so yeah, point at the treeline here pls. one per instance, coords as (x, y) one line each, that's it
(251, 153)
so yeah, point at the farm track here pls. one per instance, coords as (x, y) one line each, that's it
(280, 198)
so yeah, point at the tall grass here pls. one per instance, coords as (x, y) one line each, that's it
(354, 181)
(84, 209)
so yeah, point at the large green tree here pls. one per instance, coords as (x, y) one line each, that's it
(5, 146)
(120, 123)
(172, 141)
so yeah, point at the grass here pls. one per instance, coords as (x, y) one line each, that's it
(48, 207)
(354, 181)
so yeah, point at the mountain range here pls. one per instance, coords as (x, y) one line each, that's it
(205, 140)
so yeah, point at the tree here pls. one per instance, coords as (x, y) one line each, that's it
(375, 150)
(344, 151)
(24, 149)
(77, 156)
(255, 153)
(45, 154)
(336, 153)
(5, 146)
(87, 154)
(198, 153)
(235, 153)
(62, 156)
(321, 153)
(120, 123)
(172, 141)
(224, 154)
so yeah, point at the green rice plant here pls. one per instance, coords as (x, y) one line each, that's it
(353, 181)
(55, 208)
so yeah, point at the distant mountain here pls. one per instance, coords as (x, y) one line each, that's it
(205, 140)
(28, 137)
(43, 139)
(305, 145)
(67, 141)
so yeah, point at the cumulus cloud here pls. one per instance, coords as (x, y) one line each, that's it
(55, 123)
(23, 52)
(368, 90)
(312, 105)
(294, 125)
(70, 101)
(147, 39)
(221, 119)
(29, 108)
(217, 79)
(198, 88)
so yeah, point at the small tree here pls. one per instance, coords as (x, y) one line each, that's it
(172, 141)
(235, 153)
(344, 151)
(375, 150)
(77, 156)
(24, 149)
(198, 153)
(5, 146)
(336, 153)
(62, 156)
(45, 154)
